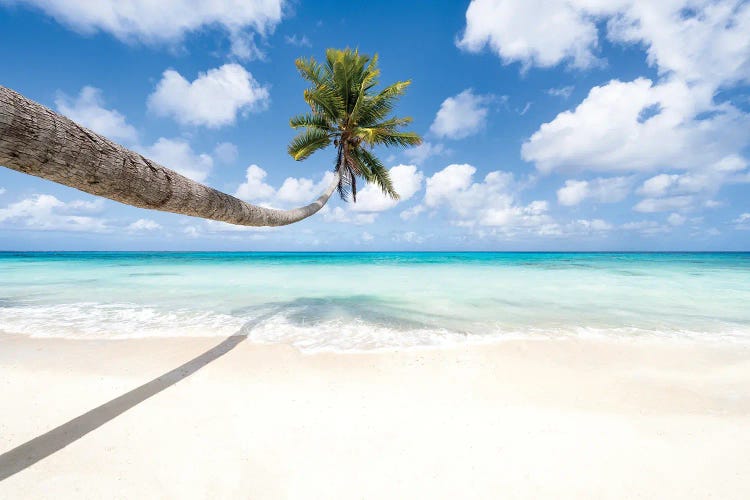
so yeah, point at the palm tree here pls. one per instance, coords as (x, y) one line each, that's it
(346, 112)
(37, 141)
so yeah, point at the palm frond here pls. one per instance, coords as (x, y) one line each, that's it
(324, 100)
(376, 173)
(307, 143)
(387, 136)
(311, 120)
(310, 70)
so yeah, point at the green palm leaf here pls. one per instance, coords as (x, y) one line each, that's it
(307, 143)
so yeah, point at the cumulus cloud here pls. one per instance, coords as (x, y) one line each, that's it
(177, 155)
(165, 21)
(665, 192)
(420, 154)
(254, 188)
(698, 48)
(88, 110)
(213, 99)
(676, 219)
(338, 214)
(407, 180)
(541, 33)
(491, 202)
(44, 212)
(301, 189)
(412, 212)
(294, 190)
(603, 190)
(611, 130)
(693, 39)
(665, 204)
(2, 190)
(460, 116)
(143, 225)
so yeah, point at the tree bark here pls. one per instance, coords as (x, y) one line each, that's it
(37, 141)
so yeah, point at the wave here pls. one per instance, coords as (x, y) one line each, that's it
(306, 332)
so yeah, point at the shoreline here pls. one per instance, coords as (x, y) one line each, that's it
(560, 418)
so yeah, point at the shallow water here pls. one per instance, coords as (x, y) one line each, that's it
(353, 301)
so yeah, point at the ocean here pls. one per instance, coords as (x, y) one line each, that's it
(366, 301)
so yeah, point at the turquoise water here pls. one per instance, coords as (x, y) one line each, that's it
(353, 301)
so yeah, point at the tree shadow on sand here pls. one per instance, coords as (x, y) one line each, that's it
(42, 446)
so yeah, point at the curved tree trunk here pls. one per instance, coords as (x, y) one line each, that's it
(35, 140)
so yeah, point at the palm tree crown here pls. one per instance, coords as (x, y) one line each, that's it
(345, 111)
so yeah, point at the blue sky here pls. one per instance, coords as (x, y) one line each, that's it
(568, 125)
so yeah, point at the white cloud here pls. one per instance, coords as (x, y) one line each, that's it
(676, 219)
(578, 228)
(192, 232)
(694, 40)
(213, 99)
(45, 212)
(743, 221)
(254, 188)
(143, 225)
(412, 212)
(593, 225)
(491, 202)
(610, 130)
(302, 190)
(573, 192)
(664, 192)
(646, 227)
(177, 155)
(88, 110)
(541, 33)
(338, 214)
(666, 204)
(443, 184)
(658, 185)
(698, 48)
(407, 180)
(419, 154)
(226, 152)
(603, 190)
(164, 21)
(2, 190)
(460, 116)
(408, 237)
(367, 236)
(691, 39)
(296, 190)
(564, 92)
(215, 226)
(206, 228)
(293, 190)
(298, 41)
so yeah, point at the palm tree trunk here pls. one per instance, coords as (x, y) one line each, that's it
(35, 140)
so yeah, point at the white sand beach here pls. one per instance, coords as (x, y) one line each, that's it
(569, 418)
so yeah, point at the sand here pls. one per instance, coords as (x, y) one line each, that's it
(572, 418)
